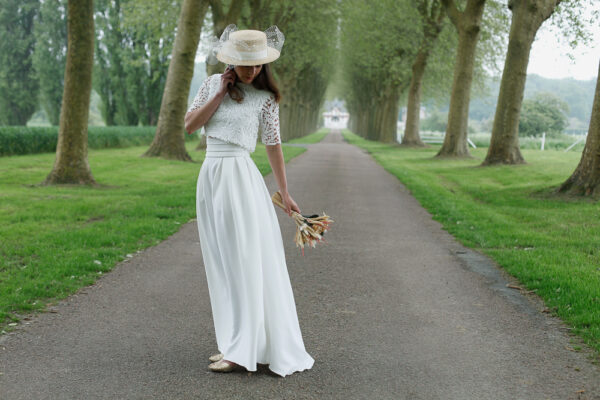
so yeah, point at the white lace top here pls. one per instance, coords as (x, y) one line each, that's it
(239, 123)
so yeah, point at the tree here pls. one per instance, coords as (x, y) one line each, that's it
(169, 139)
(432, 17)
(585, 180)
(71, 164)
(468, 25)
(527, 17)
(307, 61)
(307, 58)
(111, 69)
(149, 27)
(377, 51)
(544, 113)
(49, 56)
(18, 84)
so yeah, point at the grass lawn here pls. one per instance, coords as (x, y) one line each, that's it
(54, 240)
(314, 137)
(510, 213)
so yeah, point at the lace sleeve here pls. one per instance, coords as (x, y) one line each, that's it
(269, 122)
(202, 96)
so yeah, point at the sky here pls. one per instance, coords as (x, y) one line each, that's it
(549, 58)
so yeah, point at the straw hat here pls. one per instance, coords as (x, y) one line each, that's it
(248, 47)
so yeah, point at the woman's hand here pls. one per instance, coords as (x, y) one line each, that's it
(227, 78)
(289, 203)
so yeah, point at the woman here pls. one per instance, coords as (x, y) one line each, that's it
(252, 302)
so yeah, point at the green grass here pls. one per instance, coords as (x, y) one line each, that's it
(55, 240)
(314, 137)
(510, 213)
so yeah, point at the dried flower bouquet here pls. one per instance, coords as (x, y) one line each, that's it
(310, 228)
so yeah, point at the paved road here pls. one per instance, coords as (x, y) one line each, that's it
(392, 308)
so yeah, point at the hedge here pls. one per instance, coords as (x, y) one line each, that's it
(16, 140)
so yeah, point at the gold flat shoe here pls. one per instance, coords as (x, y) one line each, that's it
(216, 357)
(221, 366)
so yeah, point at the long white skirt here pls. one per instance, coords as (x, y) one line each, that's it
(252, 302)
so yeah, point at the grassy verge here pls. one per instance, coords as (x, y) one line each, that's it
(314, 137)
(509, 213)
(55, 240)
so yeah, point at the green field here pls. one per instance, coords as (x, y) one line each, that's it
(55, 240)
(510, 213)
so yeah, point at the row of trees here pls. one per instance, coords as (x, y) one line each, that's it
(303, 70)
(133, 44)
(377, 41)
(130, 61)
(383, 53)
(474, 30)
(398, 45)
(142, 64)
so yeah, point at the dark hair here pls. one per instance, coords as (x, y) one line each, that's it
(263, 81)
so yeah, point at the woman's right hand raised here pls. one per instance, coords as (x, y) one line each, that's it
(227, 78)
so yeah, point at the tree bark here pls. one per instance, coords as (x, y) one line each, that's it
(413, 109)
(71, 163)
(468, 24)
(526, 20)
(585, 180)
(388, 131)
(379, 119)
(433, 19)
(169, 141)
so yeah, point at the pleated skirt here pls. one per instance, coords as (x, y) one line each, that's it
(253, 307)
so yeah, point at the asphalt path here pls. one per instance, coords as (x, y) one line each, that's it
(392, 307)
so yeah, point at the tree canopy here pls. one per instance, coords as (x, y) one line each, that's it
(544, 113)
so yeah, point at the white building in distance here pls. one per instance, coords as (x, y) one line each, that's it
(336, 116)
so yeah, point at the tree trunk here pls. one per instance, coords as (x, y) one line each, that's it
(526, 20)
(413, 109)
(585, 181)
(201, 143)
(71, 164)
(370, 121)
(381, 118)
(169, 141)
(433, 16)
(468, 24)
(284, 110)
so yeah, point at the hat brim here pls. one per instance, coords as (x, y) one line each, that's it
(272, 55)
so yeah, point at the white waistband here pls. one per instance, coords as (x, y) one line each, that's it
(219, 148)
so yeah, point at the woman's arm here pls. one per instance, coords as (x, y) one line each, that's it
(196, 119)
(277, 162)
